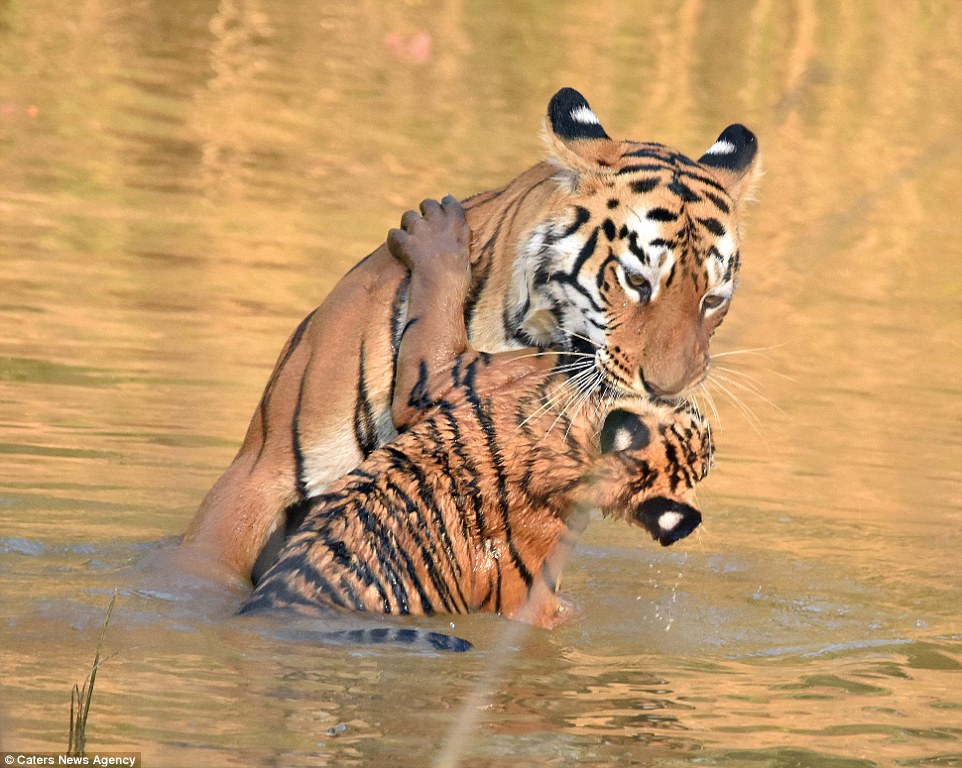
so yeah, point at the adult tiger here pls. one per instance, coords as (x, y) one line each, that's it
(624, 250)
(476, 504)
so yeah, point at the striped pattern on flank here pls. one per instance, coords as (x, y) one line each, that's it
(462, 512)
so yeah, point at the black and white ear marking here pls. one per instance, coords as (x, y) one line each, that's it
(622, 431)
(733, 151)
(667, 520)
(572, 118)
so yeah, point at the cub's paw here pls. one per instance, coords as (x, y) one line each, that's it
(438, 239)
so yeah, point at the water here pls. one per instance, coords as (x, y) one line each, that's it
(182, 182)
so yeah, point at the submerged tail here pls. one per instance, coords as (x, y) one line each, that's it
(415, 638)
(303, 629)
(418, 639)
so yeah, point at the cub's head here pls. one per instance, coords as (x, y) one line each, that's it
(637, 266)
(651, 457)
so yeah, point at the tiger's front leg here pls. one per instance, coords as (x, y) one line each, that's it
(434, 246)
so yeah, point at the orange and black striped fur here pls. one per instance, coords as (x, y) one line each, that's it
(625, 251)
(473, 507)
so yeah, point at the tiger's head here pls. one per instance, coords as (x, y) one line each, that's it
(637, 267)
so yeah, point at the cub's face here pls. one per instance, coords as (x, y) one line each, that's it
(650, 458)
(639, 268)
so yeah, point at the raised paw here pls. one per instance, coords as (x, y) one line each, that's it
(438, 239)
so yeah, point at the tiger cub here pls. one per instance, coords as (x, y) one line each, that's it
(621, 250)
(475, 505)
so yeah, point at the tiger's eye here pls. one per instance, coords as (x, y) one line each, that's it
(637, 282)
(712, 302)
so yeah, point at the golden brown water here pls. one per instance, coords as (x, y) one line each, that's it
(180, 182)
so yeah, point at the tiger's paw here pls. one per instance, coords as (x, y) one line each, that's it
(435, 241)
(562, 612)
(543, 610)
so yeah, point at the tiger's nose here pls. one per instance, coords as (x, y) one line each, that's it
(669, 387)
(655, 391)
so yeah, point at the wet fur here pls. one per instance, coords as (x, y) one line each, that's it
(545, 271)
(473, 506)
(466, 511)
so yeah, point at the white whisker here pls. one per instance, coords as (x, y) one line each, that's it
(550, 400)
(747, 412)
(711, 404)
(575, 335)
(758, 351)
(740, 374)
(582, 386)
(585, 397)
(750, 389)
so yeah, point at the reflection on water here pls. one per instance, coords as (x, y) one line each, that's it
(181, 182)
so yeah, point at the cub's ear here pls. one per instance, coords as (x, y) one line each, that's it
(623, 431)
(575, 136)
(735, 161)
(667, 520)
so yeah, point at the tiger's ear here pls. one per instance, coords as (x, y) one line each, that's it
(735, 161)
(624, 431)
(577, 140)
(667, 520)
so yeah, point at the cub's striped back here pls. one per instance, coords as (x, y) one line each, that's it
(468, 510)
